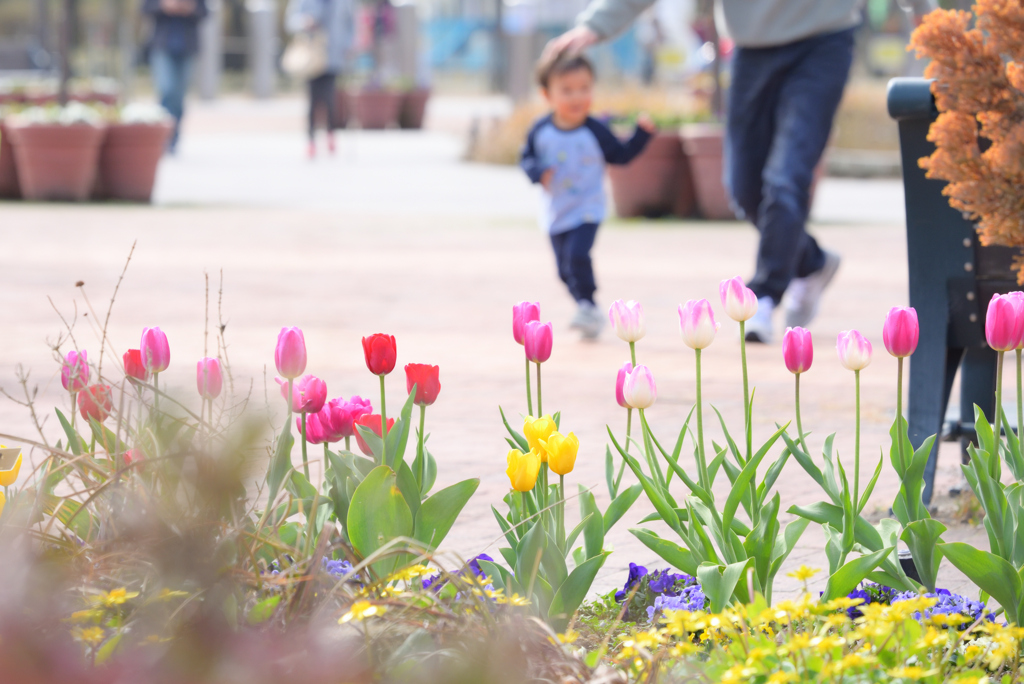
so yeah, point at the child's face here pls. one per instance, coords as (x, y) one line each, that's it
(570, 95)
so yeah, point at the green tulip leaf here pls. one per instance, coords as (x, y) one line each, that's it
(675, 555)
(593, 533)
(622, 503)
(263, 610)
(377, 514)
(398, 435)
(719, 582)
(922, 538)
(570, 595)
(989, 572)
(436, 515)
(280, 462)
(846, 578)
(74, 441)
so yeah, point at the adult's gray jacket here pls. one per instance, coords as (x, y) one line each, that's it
(751, 23)
(336, 17)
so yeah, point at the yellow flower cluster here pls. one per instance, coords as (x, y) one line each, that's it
(809, 640)
(547, 445)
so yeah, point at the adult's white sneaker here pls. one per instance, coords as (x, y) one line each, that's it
(803, 296)
(759, 328)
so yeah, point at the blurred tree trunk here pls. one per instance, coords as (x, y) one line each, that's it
(706, 15)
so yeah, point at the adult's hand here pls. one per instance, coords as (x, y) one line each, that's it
(573, 41)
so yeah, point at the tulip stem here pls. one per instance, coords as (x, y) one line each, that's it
(999, 401)
(156, 392)
(1020, 396)
(74, 409)
(561, 511)
(305, 460)
(529, 395)
(856, 444)
(540, 410)
(629, 430)
(421, 455)
(632, 353)
(746, 393)
(327, 461)
(799, 423)
(701, 462)
(348, 443)
(899, 415)
(383, 425)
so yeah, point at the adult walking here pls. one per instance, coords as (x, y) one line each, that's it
(790, 66)
(172, 50)
(327, 29)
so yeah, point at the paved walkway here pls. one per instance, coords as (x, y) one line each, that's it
(395, 234)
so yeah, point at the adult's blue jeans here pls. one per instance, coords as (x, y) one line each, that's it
(780, 109)
(171, 75)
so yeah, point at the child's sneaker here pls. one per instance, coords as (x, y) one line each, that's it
(588, 320)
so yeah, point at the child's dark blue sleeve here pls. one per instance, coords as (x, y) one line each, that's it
(530, 159)
(615, 151)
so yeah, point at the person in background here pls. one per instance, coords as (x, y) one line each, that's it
(565, 153)
(172, 51)
(336, 19)
(789, 69)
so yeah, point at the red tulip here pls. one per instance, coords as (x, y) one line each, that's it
(338, 416)
(426, 380)
(901, 331)
(620, 380)
(371, 421)
(133, 366)
(95, 402)
(523, 313)
(380, 351)
(538, 341)
(797, 350)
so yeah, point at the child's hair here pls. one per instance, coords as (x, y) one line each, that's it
(561, 63)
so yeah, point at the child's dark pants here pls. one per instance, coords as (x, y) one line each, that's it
(572, 254)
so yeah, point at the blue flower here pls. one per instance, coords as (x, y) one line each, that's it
(948, 603)
(691, 598)
(635, 573)
(336, 568)
(435, 582)
(665, 582)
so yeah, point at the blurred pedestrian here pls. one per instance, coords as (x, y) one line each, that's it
(326, 30)
(172, 50)
(565, 153)
(789, 69)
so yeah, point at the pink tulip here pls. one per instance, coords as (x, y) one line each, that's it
(290, 354)
(854, 350)
(697, 323)
(797, 350)
(901, 331)
(639, 390)
(523, 313)
(619, 382)
(74, 372)
(538, 340)
(738, 300)
(1001, 323)
(316, 431)
(309, 393)
(208, 378)
(628, 320)
(156, 352)
(338, 416)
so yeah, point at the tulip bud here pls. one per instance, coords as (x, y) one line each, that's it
(523, 469)
(426, 380)
(538, 341)
(561, 452)
(338, 416)
(309, 393)
(697, 323)
(628, 320)
(290, 353)
(74, 372)
(523, 313)
(536, 430)
(738, 300)
(371, 422)
(132, 456)
(854, 350)
(619, 381)
(797, 350)
(316, 432)
(208, 378)
(133, 366)
(639, 390)
(1001, 329)
(156, 352)
(95, 402)
(10, 476)
(901, 331)
(380, 351)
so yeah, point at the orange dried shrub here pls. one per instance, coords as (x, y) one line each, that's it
(979, 91)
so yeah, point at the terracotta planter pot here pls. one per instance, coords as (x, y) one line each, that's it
(128, 160)
(414, 107)
(56, 162)
(702, 144)
(9, 188)
(656, 183)
(377, 109)
(342, 108)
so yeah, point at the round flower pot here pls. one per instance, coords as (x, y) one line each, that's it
(342, 108)
(56, 162)
(128, 160)
(9, 188)
(657, 183)
(414, 107)
(377, 109)
(702, 144)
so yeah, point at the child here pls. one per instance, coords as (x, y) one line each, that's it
(566, 152)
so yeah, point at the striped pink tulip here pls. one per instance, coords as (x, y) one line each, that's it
(697, 323)
(639, 390)
(738, 300)
(854, 350)
(628, 320)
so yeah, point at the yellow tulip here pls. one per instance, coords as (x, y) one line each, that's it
(536, 430)
(561, 451)
(7, 477)
(523, 469)
(3, 502)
